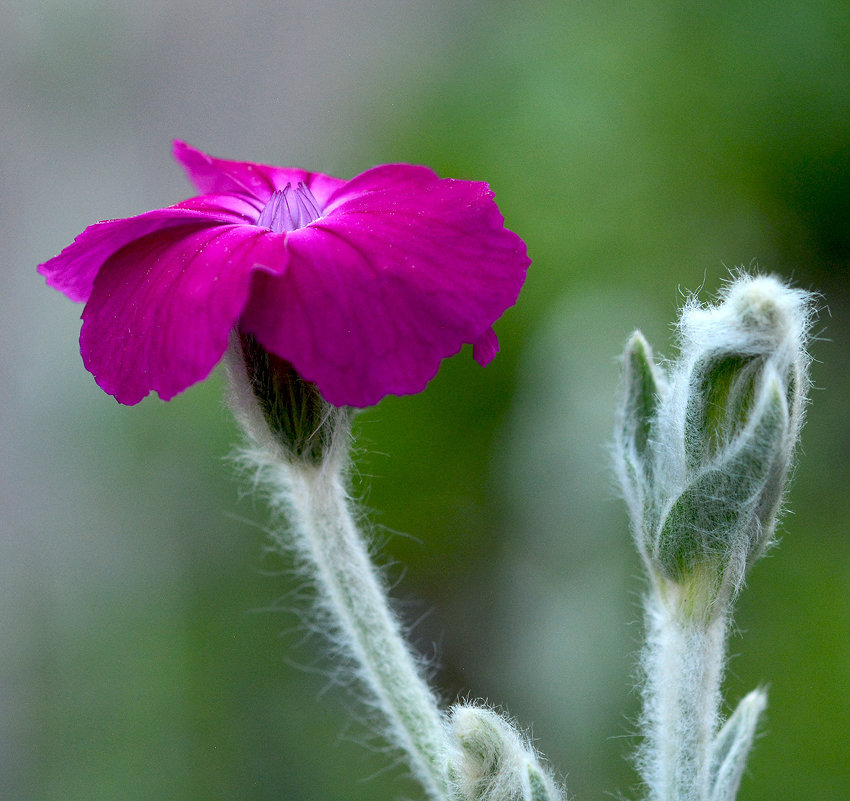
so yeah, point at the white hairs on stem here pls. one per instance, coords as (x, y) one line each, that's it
(703, 450)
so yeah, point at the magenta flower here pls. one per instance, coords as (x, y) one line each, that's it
(364, 286)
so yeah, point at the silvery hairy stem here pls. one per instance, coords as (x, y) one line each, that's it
(703, 450)
(298, 453)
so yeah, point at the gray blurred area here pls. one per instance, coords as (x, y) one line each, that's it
(149, 646)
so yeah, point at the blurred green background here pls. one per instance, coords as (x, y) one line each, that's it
(149, 646)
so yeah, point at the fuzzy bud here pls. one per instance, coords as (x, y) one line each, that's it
(492, 761)
(703, 451)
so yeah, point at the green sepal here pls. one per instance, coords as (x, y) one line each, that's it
(297, 415)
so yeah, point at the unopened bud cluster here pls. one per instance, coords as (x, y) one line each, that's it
(705, 445)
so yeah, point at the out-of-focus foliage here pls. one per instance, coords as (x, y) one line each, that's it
(149, 648)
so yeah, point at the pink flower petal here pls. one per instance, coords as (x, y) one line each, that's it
(394, 279)
(161, 308)
(400, 269)
(73, 271)
(213, 176)
(485, 348)
(397, 179)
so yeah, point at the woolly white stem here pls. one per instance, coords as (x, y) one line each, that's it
(326, 537)
(683, 666)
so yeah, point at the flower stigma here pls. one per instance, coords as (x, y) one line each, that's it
(289, 209)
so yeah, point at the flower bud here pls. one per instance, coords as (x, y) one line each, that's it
(492, 761)
(704, 453)
(725, 515)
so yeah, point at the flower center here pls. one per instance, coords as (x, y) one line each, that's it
(289, 209)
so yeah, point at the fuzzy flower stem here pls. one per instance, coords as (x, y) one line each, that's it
(703, 449)
(315, 501)
(683, 666)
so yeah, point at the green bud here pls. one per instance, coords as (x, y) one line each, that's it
(479, 734)
(725, 516)
(704, 452)
(492, 761)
